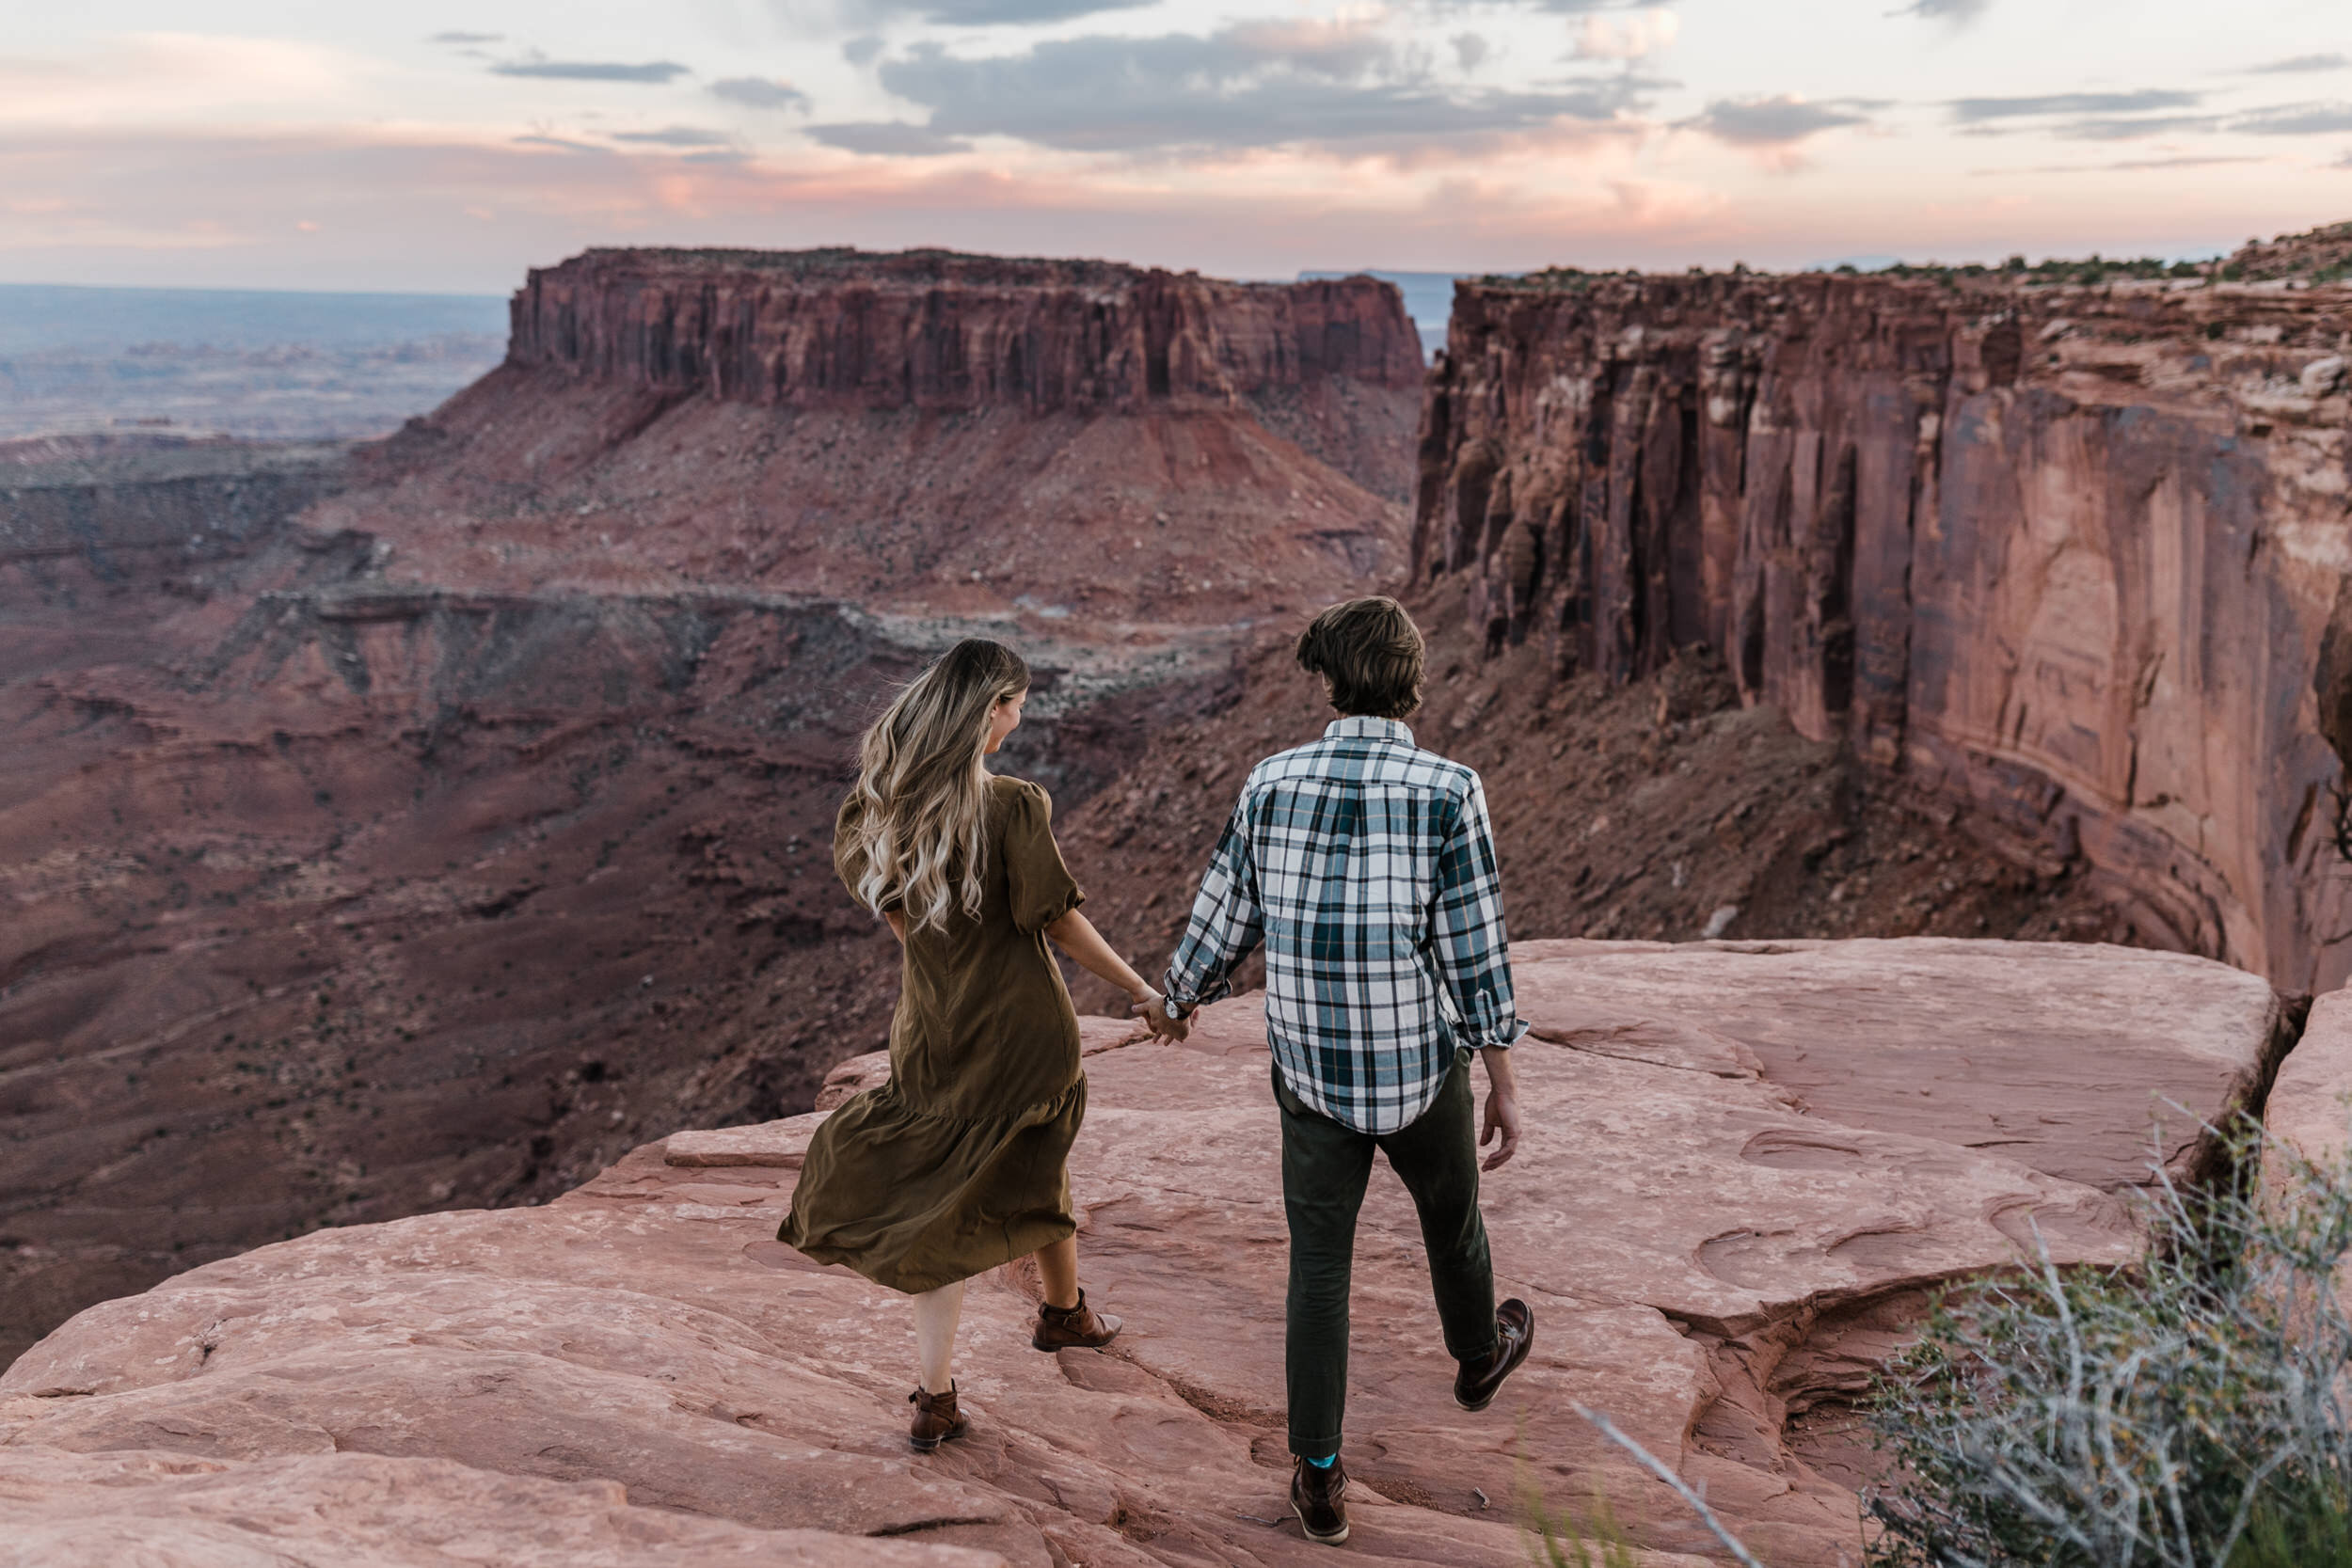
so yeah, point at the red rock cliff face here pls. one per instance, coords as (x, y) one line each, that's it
(2072, 552)
(930, 329)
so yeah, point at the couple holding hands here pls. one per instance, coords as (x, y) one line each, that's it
(1366, 867)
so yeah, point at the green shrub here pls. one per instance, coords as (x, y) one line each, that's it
(2190, 1412)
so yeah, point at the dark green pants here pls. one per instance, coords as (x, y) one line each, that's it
(1325, 1167)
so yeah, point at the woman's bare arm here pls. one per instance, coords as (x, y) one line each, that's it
(897, 925)
(1076, 935)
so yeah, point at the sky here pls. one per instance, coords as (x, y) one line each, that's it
(442, 147)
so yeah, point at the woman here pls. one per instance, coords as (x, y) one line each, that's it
(958, 1162)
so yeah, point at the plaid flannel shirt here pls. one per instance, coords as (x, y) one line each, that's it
(1367, 867)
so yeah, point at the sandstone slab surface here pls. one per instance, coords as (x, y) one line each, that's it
(1731, 1191)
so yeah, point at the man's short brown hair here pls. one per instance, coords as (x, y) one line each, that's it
(1369, 654)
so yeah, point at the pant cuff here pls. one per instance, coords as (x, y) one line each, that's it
(1315, 1447)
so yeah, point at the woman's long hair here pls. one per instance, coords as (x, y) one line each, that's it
(922, 789)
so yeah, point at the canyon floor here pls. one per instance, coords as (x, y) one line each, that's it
(1743, 1163)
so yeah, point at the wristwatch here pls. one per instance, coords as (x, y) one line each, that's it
(1173, 1008)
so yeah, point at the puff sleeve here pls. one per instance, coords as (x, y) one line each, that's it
(1041, 887)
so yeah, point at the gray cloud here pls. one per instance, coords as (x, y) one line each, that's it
(561, 145)
(676, 136)
(1248, 85)
(1960, 11)
(759, 92)
(2117, 128)
(982, 13)
(1777, 122)
(590, 70)
(2296, 119)
(2121, 166)
(467, 38)
(2300, 63)
(1469, 50)
(859, 50)
(1975, 111)
(889, 138)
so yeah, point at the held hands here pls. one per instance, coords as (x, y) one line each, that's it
(1152, 1008)
(1502, 1120)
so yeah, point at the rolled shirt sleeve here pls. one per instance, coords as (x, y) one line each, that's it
(1226, 921)
(1465, 928)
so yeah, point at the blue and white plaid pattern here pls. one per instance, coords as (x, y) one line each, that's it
(1367, 867)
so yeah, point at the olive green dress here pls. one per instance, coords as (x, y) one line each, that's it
(959, 1164)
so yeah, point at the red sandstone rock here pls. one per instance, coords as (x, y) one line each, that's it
(934, 329)
(2068, 552)
(1741, 1164)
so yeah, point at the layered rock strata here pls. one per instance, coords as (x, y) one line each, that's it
(938, 330)
(1742, 1164)
(2069, 552)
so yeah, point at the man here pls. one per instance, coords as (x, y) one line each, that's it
(1367, 867)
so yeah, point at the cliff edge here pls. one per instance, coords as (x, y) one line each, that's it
(1743, 1163)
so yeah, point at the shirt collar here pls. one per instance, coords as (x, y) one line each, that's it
(1363, 726)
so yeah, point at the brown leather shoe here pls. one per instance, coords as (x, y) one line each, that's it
(1319, 1497)
(936, 1419)
(1477, 1383)
(1079, 1327)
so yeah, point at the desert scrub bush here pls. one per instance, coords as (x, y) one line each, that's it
(2189, 1412)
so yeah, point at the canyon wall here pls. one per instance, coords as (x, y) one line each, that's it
(2069, 552)
(933, 329)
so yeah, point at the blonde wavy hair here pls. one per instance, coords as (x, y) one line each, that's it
(922, 791)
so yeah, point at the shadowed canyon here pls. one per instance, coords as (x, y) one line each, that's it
(410, 830)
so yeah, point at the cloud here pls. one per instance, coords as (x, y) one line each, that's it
(759, 92)
(590, 70)
(1333, 85)
(1633, 39)
(2123, 166)
(1959, 12)
(2116, 128)
(1976, 111)
(467, 38)
(888, 138)
(1469, 50)
(983, 13)
(561, 145)
(2296, 119)
(1778, 122)
(2297, 64)
(676, 136)
(861, 50)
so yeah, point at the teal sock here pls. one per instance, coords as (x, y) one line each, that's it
(1325, 1464)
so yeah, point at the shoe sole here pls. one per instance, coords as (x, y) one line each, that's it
(1075, 1344)
(1339, 1538)
(1524, 1350)
(920, 1446)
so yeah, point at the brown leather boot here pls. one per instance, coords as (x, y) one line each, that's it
(1478, 1381)
(936, 1419)
(1078, 1327)
(1319, 1497)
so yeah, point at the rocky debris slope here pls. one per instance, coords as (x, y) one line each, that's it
(2069, 554)
(1661, 809)
(929, 431)
(1743, 1162)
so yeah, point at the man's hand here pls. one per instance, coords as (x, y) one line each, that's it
(1152, 1008)
(1503, 1121)
(1503, 1106)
